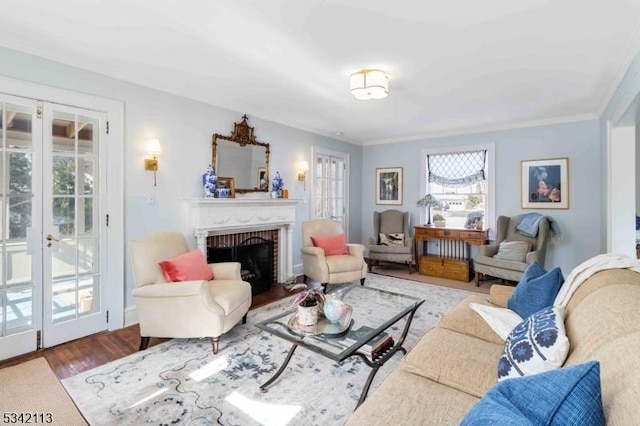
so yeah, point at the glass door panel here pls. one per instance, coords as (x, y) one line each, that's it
(20, 288)
(72, 261)
(330, 187)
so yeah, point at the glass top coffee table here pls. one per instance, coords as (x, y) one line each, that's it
(373, 312)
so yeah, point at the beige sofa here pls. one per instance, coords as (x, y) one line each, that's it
(455, 363)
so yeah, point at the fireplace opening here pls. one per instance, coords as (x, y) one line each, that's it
(255, 255)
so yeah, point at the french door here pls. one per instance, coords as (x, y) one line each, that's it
(51, 247)
(330, 177)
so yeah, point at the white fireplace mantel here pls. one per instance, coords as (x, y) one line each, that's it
(204, 217)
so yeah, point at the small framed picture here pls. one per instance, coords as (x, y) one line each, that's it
(474, 220)
(225, 187)
(389, 185)
(263, 179)
(545, 184)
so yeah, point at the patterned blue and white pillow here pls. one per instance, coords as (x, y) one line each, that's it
(539, 343)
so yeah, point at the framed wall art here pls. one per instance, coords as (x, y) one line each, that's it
(389, 185)
(545, 183)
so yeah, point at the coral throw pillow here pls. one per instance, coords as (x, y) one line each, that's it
(186, 267)
(331, 244)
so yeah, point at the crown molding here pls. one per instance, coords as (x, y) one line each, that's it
(487, 129)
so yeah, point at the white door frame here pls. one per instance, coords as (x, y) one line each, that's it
(621, 189)
(114, 277)
(25, 341)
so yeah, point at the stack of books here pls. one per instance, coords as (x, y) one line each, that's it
(373, 347)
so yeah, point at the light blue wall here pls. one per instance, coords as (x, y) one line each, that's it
(578, 141)
(184, 128)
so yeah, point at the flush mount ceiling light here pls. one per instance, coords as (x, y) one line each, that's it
(369, 84)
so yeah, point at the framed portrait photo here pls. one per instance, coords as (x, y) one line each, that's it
(389, 185)
(545, 184)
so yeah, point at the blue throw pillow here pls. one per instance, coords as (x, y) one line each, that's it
(536, 290)
(566, 396)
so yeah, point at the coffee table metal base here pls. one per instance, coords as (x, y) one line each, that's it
(374, 364)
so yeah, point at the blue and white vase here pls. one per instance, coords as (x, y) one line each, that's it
(209, 180)
(276, 186)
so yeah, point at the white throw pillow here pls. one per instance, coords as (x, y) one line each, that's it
(513, 250)
(501, 320)
(393, 240)
(538, 344)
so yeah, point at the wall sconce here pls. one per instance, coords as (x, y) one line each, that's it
(154, 150)
(303, 167)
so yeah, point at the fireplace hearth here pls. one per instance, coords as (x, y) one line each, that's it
(255, 255)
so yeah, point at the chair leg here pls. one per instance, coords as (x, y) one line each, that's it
(409, 265)
(144, 343)
(244, 319)
(361, 281)
(214, 343)
(324, 288)
(477, 279)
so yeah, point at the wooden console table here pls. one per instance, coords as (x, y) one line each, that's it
(453, 258)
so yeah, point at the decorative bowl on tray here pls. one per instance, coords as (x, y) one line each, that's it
(323, 326)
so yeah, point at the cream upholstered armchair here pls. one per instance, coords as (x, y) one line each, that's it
(184, 309)
(386, 225)
(334, 269)
(489, 262)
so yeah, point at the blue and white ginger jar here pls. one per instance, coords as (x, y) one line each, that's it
(276, 186)
(209, 180)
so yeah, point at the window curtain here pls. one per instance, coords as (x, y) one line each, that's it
(457, 169)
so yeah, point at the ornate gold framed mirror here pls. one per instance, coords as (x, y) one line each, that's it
(242, 157)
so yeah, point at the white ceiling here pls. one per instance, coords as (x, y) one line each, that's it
(454, 66)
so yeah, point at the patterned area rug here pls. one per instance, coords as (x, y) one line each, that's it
(181, 381)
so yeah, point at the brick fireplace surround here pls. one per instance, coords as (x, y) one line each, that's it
(204, 218)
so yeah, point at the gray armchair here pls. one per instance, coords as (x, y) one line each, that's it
(485, 264)
(391, 222)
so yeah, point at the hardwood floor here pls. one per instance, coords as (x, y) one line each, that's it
(84, 354)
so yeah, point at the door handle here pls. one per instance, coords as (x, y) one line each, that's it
(51, 238)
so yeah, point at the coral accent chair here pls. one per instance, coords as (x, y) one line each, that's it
(391, 222)
(335, 269)
(486, 264)
(186, 309)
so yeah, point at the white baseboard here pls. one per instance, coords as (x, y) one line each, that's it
(297, 270)
(131, 316)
